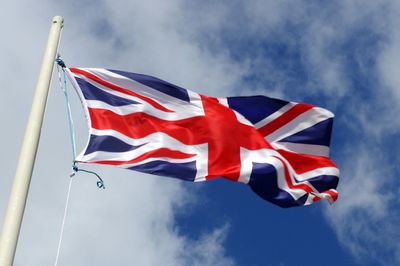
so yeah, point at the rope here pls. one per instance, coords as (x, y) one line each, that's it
(63, 86)
(63, 222)
(100, 183)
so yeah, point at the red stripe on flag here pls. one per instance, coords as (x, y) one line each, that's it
(289, 182)
(316, 198)
(302, 163)
(190, 131)
(118, 88)
(334, 194)
(157, 153)
(285, 118)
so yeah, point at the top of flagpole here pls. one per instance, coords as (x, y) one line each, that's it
(58, 19)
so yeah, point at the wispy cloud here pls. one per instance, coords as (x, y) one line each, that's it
(366, 219)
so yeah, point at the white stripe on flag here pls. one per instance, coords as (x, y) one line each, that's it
(301, 122)
(275, 115)
(318, 172)
(317, 150)
(145, 108)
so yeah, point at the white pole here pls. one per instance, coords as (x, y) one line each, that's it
(22, 179)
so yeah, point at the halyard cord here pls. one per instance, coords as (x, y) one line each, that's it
(61, 64)
(63, 223)
(100, 183)
(63, 86)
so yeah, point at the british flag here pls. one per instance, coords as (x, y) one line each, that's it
(139, 122)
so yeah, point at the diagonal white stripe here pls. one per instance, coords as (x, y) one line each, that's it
(318, 172)
(148, 160)
(281, 179)
(274, 115)
(133, 85)
(301, 122)
(126, 156)
(167, 101)
(153, 141)
(266, 156)
(148, 109)
(318, 150)
(239, 117)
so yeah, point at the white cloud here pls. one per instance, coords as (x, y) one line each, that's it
(388, 70)
(365, 217)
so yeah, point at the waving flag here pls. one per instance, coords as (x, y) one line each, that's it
(279, 148)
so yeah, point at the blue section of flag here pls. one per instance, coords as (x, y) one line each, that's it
(255, 108)
(156, 83)
(324, 182)
(91, 92)
(319, 134)
(108, 144)
(263, 181)
(185, 171)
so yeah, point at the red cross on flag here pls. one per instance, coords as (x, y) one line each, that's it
(279, 148)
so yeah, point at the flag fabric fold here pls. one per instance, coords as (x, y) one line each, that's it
(139, 122)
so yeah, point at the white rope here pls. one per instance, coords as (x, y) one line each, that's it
(63, 222)
(63, 86)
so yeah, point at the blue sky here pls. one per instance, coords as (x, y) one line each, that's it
(340, 55)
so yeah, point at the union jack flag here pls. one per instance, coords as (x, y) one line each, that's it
(139, 122)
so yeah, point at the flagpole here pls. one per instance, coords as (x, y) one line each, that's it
(22, 179)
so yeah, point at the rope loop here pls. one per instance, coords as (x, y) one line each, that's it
(100, 183)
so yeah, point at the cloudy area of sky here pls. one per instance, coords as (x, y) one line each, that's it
(341, 55)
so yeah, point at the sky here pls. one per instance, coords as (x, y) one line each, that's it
(340, 55)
